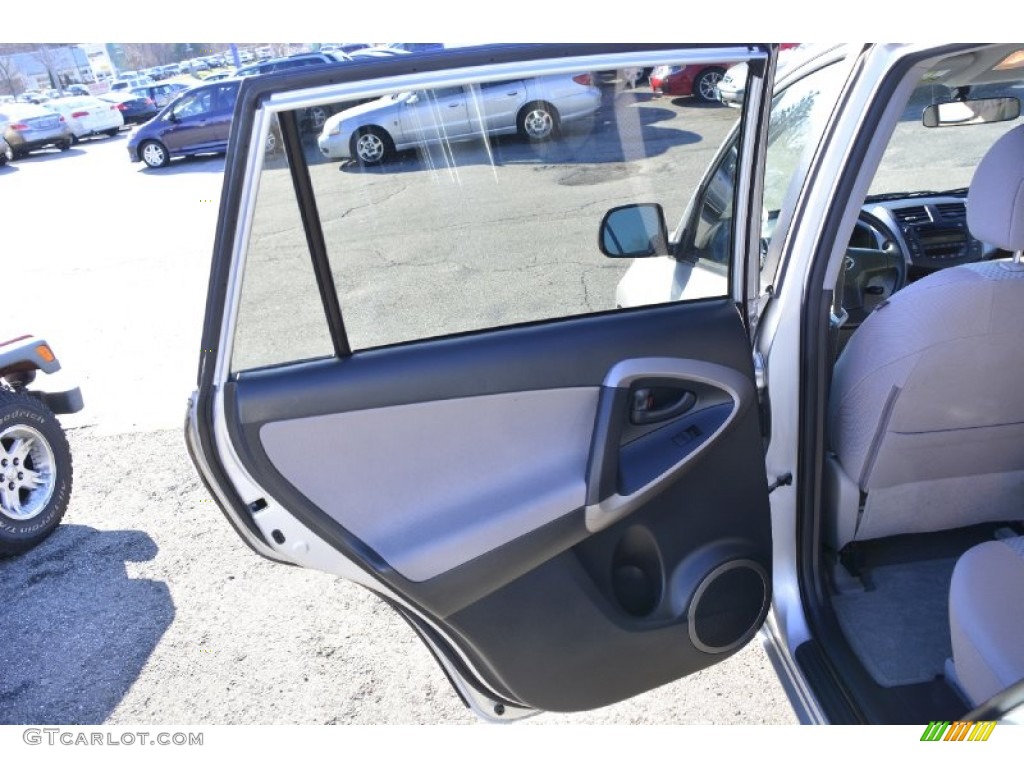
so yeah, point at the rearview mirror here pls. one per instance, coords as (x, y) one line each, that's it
(971, 112)
(634, 231)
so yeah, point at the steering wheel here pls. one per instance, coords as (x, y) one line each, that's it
(871, 275)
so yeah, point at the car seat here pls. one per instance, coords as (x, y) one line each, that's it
(926, 415)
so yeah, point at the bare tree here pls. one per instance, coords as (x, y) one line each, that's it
(47, 56)
(10, 76)
(136, 56)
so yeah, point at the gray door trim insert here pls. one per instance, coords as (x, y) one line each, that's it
(431, 486)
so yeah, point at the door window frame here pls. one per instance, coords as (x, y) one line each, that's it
(517, 67)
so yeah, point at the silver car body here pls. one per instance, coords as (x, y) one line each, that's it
(29, 127)
(732, 85)
(457, 113)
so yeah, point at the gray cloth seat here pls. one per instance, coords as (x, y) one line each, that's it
(926, 414)
(986, 618)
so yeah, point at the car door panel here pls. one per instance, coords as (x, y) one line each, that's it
(505, 453)
(219, 119)
(570, 511)
(495, 106)
(437, 116)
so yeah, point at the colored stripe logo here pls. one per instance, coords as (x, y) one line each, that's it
(943, 730)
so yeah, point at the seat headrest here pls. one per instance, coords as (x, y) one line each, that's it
(995, 202)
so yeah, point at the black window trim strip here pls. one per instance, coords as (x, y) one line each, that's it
(310, 215)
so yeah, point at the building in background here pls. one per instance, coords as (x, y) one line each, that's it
(100, 61)
(39, 66)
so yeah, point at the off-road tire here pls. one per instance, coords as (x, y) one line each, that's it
(26, 418)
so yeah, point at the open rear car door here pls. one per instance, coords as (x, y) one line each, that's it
(569, 506)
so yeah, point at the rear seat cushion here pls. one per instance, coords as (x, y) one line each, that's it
(986, 618)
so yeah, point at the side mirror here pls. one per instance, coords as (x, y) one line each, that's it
(634, 231)
(971, 112)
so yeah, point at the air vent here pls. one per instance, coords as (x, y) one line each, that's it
(952, 210)
(912, 215)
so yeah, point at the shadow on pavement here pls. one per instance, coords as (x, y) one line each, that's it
(204, 163)
(48, 154)
(75, 630)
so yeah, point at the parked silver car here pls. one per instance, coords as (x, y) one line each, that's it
(532, 107)
(28, 127)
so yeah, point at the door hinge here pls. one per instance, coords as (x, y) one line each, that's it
(785, 478)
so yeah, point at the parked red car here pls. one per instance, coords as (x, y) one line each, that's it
(697, 80)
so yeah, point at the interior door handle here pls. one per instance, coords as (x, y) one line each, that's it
(654, 404)
(619, 479)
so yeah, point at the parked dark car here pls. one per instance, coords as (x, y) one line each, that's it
(313, 119)
(28, 127)
(161, 94)
(198, 122)
(291, 62)
(344, 47)
(133, 108)
(5, 152)
(377, 51)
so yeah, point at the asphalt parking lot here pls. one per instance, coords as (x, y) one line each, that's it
(144, 607)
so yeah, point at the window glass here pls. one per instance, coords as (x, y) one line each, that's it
(479, 209)
(280, 317)
(710, 235)
(477, 206)
(939, 159)
(795, 128)
(796, 123)
(194, 104)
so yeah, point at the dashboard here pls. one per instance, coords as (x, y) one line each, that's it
(931, 232)
(901, 238)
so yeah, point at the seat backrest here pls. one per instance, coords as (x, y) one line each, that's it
(995, 205)
(926, 415)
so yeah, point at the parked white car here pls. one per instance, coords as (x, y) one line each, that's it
(88, 116)
(127, 84)
(534, 107)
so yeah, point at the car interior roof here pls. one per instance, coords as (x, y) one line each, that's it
(995, 64)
